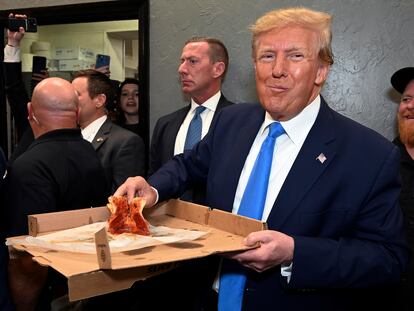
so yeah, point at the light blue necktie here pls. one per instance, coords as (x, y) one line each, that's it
(252, 204)
(194, 130)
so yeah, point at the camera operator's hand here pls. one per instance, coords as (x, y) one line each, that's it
(104, 70)
(14, 37)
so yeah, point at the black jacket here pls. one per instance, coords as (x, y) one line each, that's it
(163, 141)
(59, 171)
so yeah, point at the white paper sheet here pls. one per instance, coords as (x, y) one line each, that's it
(81, 239)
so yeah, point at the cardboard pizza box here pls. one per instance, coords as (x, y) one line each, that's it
(91, 275)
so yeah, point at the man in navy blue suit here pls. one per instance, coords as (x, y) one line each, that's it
(335, 227)
(203, 65)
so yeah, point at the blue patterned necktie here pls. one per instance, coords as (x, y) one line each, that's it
(194, 130)
(232, 283)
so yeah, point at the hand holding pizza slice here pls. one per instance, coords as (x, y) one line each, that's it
(127, 218)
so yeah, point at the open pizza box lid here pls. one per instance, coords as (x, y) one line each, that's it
(101, 273)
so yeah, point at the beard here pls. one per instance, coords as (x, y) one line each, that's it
(406, 130)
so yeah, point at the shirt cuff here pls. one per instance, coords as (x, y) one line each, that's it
(11, 54)
(158, 197)
(286, 271)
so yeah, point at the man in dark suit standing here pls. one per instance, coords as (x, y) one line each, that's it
(329, 195)
(122, 152)
(59, 171)
(204, 63)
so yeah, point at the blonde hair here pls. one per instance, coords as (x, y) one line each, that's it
(299, 16)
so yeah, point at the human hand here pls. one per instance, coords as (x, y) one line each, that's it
(275, 248)
(40, 76)
(14, 37)
(104, 70)
(137, 186)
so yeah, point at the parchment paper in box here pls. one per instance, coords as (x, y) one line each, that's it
(91, 275)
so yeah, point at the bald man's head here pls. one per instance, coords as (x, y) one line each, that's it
(55, 94)
(54, 105)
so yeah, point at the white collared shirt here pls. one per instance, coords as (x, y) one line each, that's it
(287, 147)
(206, 117)
(90, 131)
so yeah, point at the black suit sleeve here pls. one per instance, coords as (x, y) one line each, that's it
(17, 95)
(130, 160)
(155, 151)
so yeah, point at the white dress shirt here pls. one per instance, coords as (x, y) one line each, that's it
(11, 54)
(90, 131)
(287, 147)
(206, 118)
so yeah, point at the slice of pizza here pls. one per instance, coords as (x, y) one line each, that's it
(127, 218)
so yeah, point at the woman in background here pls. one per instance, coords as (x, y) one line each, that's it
(128, 101)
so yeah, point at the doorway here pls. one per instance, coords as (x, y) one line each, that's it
(65, 17)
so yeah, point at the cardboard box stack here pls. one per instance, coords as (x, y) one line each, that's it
(72, 58)
(69, 58)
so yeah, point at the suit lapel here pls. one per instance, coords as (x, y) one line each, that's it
(317, 152)
(102, 134)
(223, 102)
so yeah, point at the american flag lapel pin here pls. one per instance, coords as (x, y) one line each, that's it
(99, 139)
(321, 158)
